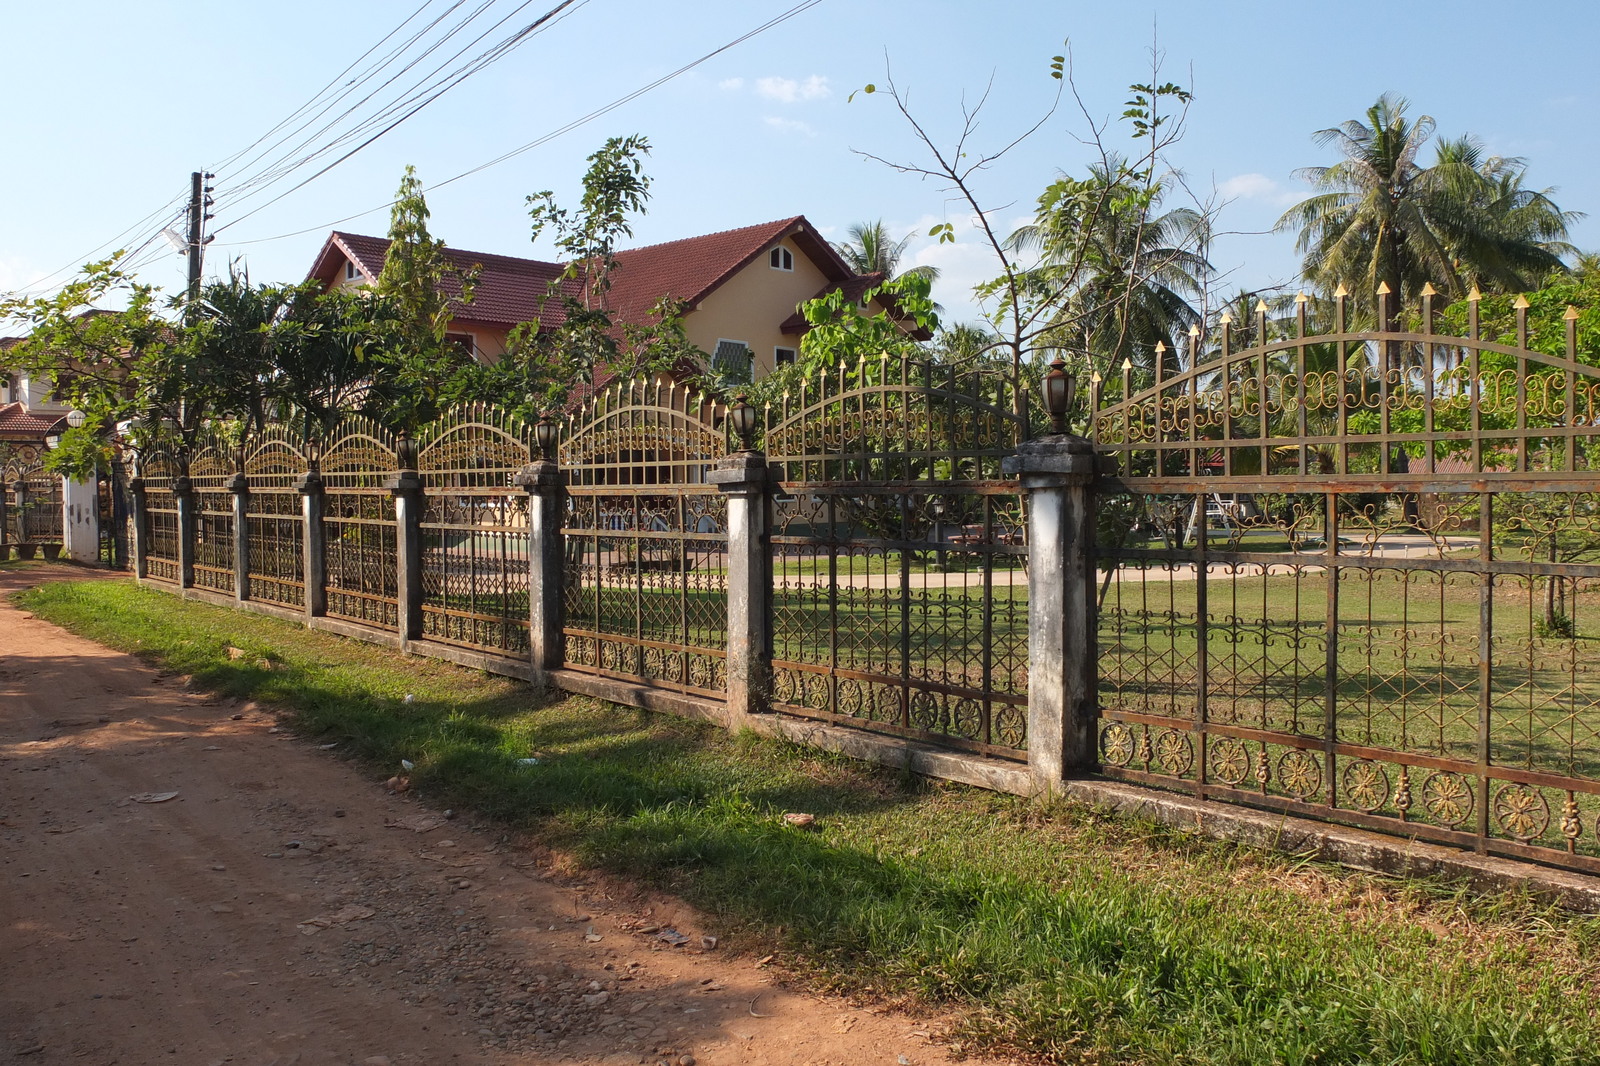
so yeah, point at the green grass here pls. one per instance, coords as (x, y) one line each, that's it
(1052, 929)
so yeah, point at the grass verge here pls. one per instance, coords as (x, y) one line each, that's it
(1053, 930)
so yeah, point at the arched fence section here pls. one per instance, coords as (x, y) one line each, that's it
(275, 570)
(474, 531)
(212, 468)
(1353, 575)
(160, 474)
(899, 586)
(646, 538)
(358, 516)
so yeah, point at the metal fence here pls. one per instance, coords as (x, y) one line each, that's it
(359, 523)
(274, 461)
(899, 585)
(646, 538)
(211, 469)
(1351, 575)
(475, 531)
(158, 471)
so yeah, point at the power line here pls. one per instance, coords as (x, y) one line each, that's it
(541, 140)
(418, 99)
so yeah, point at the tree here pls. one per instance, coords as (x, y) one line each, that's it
(1030, 305)
(869, 249)
(1122, 270)
(543, 365)
(1381, 218)
(420, 287)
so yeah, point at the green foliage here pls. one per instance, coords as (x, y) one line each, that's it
(842, 334)
(615, 187)
(420, 288)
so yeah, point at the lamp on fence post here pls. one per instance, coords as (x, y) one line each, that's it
(742, 417)
(546, 557)
(76, 419)
(545, 433)
(1058, 389)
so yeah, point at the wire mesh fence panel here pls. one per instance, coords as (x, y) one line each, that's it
(475, 532)
(646, 539)
(274, 517)
(210, 470)
(900, 597)
(359, 524)
(1350, 575)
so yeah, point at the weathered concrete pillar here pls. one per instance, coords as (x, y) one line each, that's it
(546, 568)
(743, 477)
(5, 523)
(1057, 473)
(239, 485)
(141, 528)
(408, 503)
(183, 497)
(19, 510)
(80, 521)
(314, 548)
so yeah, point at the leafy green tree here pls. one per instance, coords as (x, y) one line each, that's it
(420, 289)
(544, 365)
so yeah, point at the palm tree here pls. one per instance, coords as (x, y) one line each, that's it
(870, 250)
(1381, 218)
(1130, 269)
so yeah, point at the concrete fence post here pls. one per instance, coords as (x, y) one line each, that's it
(239, 486)
(408, 503)
(314, 548)
(546, 568)
(743, 477)
(19, 505)
(141, 528)
(1057, 474)
(183, 497)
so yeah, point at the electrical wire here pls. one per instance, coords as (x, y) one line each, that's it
(419, 98)
(538, 141)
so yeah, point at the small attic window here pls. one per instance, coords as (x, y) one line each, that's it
(782, 258)
(350, 271)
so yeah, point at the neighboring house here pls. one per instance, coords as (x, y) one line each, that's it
(741, 288)
(28, 411)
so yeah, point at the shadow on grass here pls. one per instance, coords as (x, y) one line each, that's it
(1059, 936)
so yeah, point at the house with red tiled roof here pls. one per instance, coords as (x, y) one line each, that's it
(741, 288)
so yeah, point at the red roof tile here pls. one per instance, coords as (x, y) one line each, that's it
(512, 290)
(509, 290)
(18, 423)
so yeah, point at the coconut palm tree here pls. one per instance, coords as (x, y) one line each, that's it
(1381, 218)
(870, 250)
(1130, 269)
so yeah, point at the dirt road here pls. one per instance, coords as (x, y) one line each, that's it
(280, 908)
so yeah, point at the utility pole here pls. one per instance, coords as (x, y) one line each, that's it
(199, 200)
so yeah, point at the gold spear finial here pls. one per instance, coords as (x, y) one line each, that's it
(1194, 331)
(1572, 314)
(1261, 307)
(1226, 319)
(1127, 363)
(1428, 289)
(1341, 292)
(1520, 303)
(1383, 288)
(1161, 346)
(1301, 298)
(1474, 295)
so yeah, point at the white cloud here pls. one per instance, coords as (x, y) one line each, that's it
(731, 84)
(1256, 187)
(790, 125)
(789, 91)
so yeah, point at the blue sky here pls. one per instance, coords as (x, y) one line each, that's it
(107, 117)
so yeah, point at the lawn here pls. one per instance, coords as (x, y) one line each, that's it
(1053, 930)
